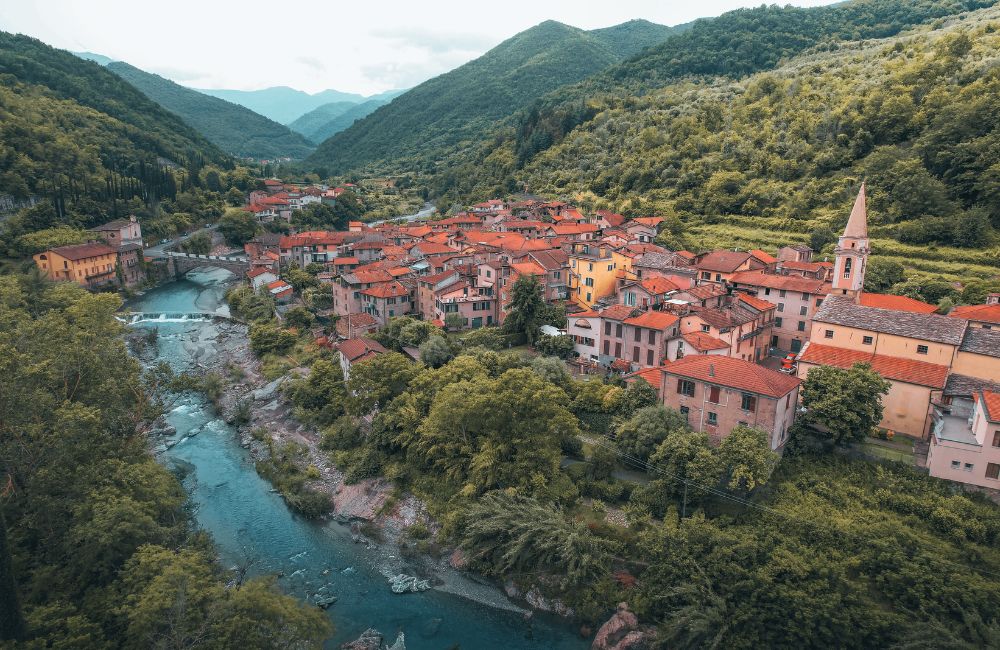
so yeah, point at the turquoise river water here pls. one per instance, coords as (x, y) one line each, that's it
(245, 518)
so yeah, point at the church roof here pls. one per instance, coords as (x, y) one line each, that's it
(857, 225)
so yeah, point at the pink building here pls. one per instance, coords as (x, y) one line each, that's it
(716, 394)
(965, 441)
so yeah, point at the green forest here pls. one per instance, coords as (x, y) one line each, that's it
(456, 108)
(236, 130)
(97, 547)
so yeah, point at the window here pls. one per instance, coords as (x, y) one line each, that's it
(866, 340)
(557, 275)
(589, 282)
(588, 296)
(649, 357)
(705, 275)
(802, 310)
(828, 334)
(955, 464)
(684, 411)
(610, 267)
(781, 306)
(489, 273)
(685, 387)
(607, 328)
(805, 296)
(618, 350)
(992, 470)
(847, 267)
(781, 294)
(607, 348)
(777, 321)
(748, 403)
(996, 438)
(921, 349)
(618, 330)
(705, 328)
(630, 299)
(652, 337)
(969, 467)
(635, 354)
(713, 394)
(713, 418)
(590, 266)
(638, 334)
(767, 291)
(802, 326)
(819, 301)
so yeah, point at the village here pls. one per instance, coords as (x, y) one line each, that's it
(724, 336)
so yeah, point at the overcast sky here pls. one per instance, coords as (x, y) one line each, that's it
(358, 46)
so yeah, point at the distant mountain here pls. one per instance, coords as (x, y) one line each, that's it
(72, 131)
(281, 103)
(233, 128)
(628, 39)
(319, 116)
(456, 107)
(330, 119)
(99, 59)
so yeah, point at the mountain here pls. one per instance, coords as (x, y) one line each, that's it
(330, 119)
(630, 38)
(76, 132)
(281, 103)
(317, 117)
(730, 46)
(99, 59)
(234, 129)
(453, 109)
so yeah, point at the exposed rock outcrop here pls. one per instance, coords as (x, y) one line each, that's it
(622, 632)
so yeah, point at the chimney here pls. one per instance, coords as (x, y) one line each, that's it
(711, 370)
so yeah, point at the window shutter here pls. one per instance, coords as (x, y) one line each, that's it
(713, 395)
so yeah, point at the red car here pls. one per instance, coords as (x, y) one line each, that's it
(788, 363)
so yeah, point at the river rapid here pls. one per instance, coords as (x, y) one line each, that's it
(246, 518)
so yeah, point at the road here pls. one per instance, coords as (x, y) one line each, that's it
(425, 211)
(160, 249)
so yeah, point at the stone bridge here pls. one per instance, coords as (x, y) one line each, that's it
(181, 263)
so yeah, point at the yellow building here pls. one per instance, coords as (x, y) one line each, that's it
(593, 272)
(89, 265)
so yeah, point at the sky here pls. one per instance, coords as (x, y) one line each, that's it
(364, 47)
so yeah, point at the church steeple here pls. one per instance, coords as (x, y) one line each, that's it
(852, 251)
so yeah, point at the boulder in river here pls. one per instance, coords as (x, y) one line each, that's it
(621, 632)
(402, 584)
(370, 639)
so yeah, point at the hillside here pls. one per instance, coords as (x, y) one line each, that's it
(630, 38)
(325, 128)
(233, 128)
(281, 103)
(775, 157)
(71, 130)
(454, 109)
(317, 117)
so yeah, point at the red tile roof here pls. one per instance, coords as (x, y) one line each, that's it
(991, 401)
(258, 271)
(907, 371)
(656, 320)
(342, 261)
(652, 376)
(387, 290)
(703, 342)
(722, 261)
(359, 348)
(612, 218)
(756, 303)
(981, 313)
(733, 373)
(763, 256)
(83, 251)
(649, 221)
(896, 303)
(657, 285)
(787, 282)
(617, 312)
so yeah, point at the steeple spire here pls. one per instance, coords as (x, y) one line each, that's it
(857, 225)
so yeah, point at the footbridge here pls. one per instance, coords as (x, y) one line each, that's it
(181, 263)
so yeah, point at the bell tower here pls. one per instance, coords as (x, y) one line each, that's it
(852, 252)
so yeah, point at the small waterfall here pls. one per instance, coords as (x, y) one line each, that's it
(166, 317)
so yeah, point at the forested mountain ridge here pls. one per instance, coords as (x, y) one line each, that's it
(453, 110)
(71, 130)
(330, 119)
(774, 157)
(630, 38)
(281, 103)
(233, 128)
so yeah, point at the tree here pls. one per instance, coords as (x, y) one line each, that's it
(552, 370)
(268, 339)
(490, 338)
(881, 274)
(299, 318)
(11, 619)
(845, 405)
(321, 397)
(639, 436)
(377, 381)
(555, 346)
(299, 279)
(526, 306)
(454, 322)
(684, 465)
(746, 458)
(237, 227)
(972, 229)
(436, 351)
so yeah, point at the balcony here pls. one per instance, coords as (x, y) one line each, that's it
(952, 428)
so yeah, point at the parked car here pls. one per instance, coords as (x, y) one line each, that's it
(164, 241)
(788, 363)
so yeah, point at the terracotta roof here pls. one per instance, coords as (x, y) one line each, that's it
(657, 285)
(857, 224)
(349, 324)
(77, 252)
(648, 221)
(617, 312)
(258, 271)
(611, 217)
(756, 303)
(896, 303)
(978, 340)
(722, 261)
(551, 260)
(656, 320)
(355, 349)
(838, 310)
(811, 267)
(965, 386)
(652, 376)
(980, 313)
(703, 342)
(705, 291)
(528, 268)
(341, 261)
(763, 256)
(387, 290)
(787, 282)
(733, 373)
(991, 401)
(117, 224)
(907, 371)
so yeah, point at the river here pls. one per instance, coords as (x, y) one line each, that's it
(245, 518)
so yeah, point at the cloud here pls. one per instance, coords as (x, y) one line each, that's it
(180, 75)
(436, 42)
(311, 62)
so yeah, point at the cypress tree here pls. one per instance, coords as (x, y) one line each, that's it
(11, 620)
